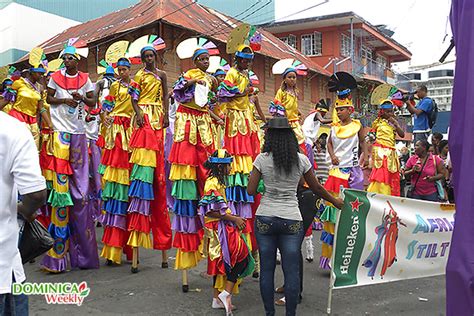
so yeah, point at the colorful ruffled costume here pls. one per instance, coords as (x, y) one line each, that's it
(46, 159)
(224, 245)
(385, 176)
(147, 210)
(72, 227)
(257, 122)
(26, 98)
(348, 174)
(240, 141)
(116, 175)
(193, 142)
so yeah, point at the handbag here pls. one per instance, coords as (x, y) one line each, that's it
(412, 189)
(34, 241)
(442, 195)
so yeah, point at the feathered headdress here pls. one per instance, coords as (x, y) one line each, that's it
(142, 44)
(285, 66)
(244, 36)
(217, 63)
(195, 46)
(386, 92)
(37, 60)
(342, 83)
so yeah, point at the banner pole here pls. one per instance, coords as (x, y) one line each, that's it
(328, 309)
(331, 276)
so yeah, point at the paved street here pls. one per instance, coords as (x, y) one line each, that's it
(157, 291)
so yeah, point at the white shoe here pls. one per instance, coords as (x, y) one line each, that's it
(225, 297)
(308, 241)
(217, 304)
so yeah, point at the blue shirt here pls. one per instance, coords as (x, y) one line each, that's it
(421, 122)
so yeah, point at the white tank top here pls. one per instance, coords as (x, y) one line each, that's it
(311, 128)
(346, 149)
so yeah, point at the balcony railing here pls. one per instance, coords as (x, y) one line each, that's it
(363, 67)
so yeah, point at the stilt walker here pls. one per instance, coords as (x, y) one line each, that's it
(27, 94)
(46, 156)
(345, 138)
(286, 98)
(239, 139)
(117, 112)
(193, 143)
(385, 176)
(72, 227)
(147, 210)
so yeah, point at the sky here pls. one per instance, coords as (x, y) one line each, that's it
(419, 25)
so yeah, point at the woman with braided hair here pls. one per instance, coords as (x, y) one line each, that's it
(147, 210)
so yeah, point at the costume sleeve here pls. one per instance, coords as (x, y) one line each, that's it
(134, 88)
(228, 88)
(109, 101)
(88, 87)
(182, 94)
(305, 163)
(52, 84)
(426, 105)
(10, 93)
(276, 107)
(212, 200)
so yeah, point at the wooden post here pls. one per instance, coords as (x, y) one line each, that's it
(135, 260)
(164, 259)
(185, 281)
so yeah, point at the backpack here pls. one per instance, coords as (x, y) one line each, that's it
(433, 114)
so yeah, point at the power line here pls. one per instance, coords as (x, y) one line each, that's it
(224, 24)
(292, 14)
(295, 13)
(224, 30)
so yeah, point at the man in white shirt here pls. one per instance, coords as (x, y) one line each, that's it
(314, 120)
(20, 173)
(72, 226)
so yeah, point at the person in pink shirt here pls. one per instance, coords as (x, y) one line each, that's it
(425, 169)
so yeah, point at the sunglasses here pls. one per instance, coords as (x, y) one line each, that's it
(69, 58)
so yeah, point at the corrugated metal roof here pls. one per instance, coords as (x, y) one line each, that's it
(181, 13)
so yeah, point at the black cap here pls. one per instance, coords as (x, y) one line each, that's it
(278, 123)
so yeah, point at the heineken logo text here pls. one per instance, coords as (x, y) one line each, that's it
(350, 242)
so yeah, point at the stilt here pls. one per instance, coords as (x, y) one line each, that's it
(164, 259)
(135, 260)
(185, 281)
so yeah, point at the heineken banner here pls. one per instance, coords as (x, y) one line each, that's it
(382, 238)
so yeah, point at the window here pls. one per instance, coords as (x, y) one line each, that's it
(290, 40)
(345, 45)
(311, 44)
(381, 61)
(366, 52)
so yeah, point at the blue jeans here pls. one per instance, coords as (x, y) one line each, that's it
(431, 197)
(286, 235)
(13, 305)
